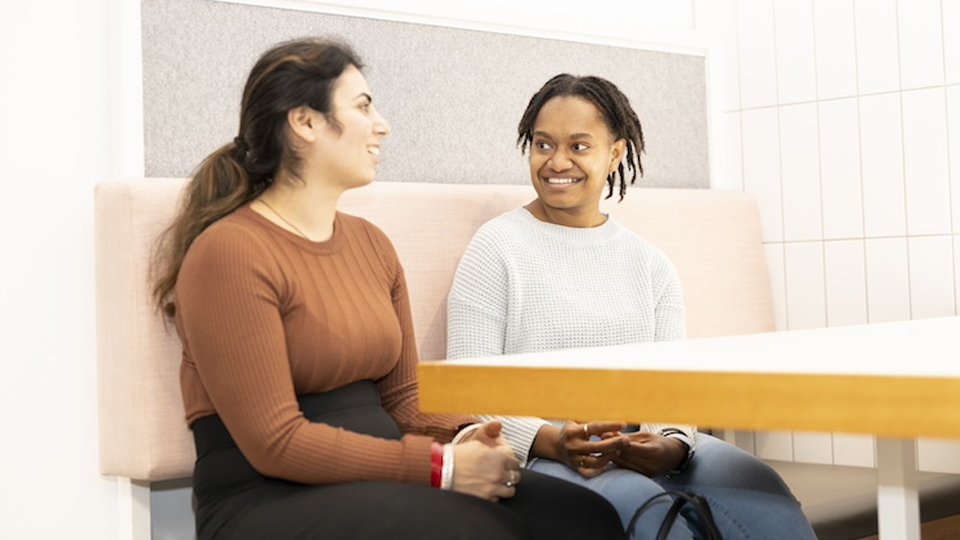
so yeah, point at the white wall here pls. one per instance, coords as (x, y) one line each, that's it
(53, 149)
(843, 119)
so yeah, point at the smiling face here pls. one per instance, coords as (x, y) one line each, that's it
(349, 152)
(571, 155)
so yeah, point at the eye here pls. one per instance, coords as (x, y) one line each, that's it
(542, 145)
(580, 147)
(365, 106)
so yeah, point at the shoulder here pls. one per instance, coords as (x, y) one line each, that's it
(636, 247)
(235, 250)
(234, 237)
(504, 231)
(360, 231)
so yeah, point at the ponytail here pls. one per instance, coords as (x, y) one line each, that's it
(220, 185)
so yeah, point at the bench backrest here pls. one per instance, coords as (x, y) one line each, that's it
(713, 238)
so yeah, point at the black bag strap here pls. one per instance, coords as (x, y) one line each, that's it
(680, 499)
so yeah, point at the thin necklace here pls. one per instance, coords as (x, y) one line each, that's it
(279, 215)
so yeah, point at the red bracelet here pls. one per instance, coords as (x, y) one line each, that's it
(436, 463)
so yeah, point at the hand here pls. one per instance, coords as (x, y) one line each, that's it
(571, 445)
(490, 434)
(484, 467)
(650, 454)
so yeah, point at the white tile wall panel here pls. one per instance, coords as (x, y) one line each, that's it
(761, 168)
(800, 172)
(854, 450)
(834, 31)
(775, 445)
(731, 57)
(921, 43)
(806, 303)
(932, 288)
(950, 17)
(812, 448)
(840, 169)
(796, 64)
(888, 282)
(845, 278)
(953, 134)
(778, 284)
(757, 53)
(878, 57)
(734, 149)
(956, 270)
(925, 162)
(938, 455)
(881, 144)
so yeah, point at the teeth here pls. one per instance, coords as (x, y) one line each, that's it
(561, 180)
(373, 150)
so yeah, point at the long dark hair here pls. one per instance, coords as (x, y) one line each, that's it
(619, 116)
(290, 75)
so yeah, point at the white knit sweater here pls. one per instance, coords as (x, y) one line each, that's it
(524, 285)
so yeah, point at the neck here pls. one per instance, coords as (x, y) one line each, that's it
(568, 218)
(305, 209)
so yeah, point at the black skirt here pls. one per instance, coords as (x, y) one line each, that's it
(235, 502)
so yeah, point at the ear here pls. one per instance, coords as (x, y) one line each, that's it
(616, 154)
(304, 123)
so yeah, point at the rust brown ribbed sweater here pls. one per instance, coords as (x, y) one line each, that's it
(265, 315)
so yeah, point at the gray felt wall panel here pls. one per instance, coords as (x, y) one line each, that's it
(453, 97)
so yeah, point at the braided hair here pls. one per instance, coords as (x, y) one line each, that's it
(613, 105)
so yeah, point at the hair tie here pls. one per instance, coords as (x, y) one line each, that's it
(241, 145)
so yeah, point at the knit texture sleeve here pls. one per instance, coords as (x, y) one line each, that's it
(229, 294)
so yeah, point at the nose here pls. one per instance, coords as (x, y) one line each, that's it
(559, 161)
(380, 125)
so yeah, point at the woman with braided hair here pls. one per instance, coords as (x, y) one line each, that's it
(557, 273)
(298, 371)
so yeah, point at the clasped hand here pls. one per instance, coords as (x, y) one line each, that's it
(642, 452)
(484, 465)
(572, 445)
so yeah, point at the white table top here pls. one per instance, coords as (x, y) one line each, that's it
(929, 347)
(899, 379)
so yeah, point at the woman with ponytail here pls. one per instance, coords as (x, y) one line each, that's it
(298, 371)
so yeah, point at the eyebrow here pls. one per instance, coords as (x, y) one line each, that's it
(574, 136)
(365, 95)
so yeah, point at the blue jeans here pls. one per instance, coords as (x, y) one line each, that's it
(748, 499)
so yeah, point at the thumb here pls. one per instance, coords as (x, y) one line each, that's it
(492, 428)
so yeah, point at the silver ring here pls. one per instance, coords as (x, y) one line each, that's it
(583, 462)
(510, 483)
(585, 432)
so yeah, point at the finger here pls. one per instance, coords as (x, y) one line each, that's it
(604, 446)
(597, 428)
(513, 478)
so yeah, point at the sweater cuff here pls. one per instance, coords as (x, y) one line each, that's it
(416, 459)
(689, 431)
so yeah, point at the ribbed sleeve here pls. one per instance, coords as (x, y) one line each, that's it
(265, 315)
(528, 286)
